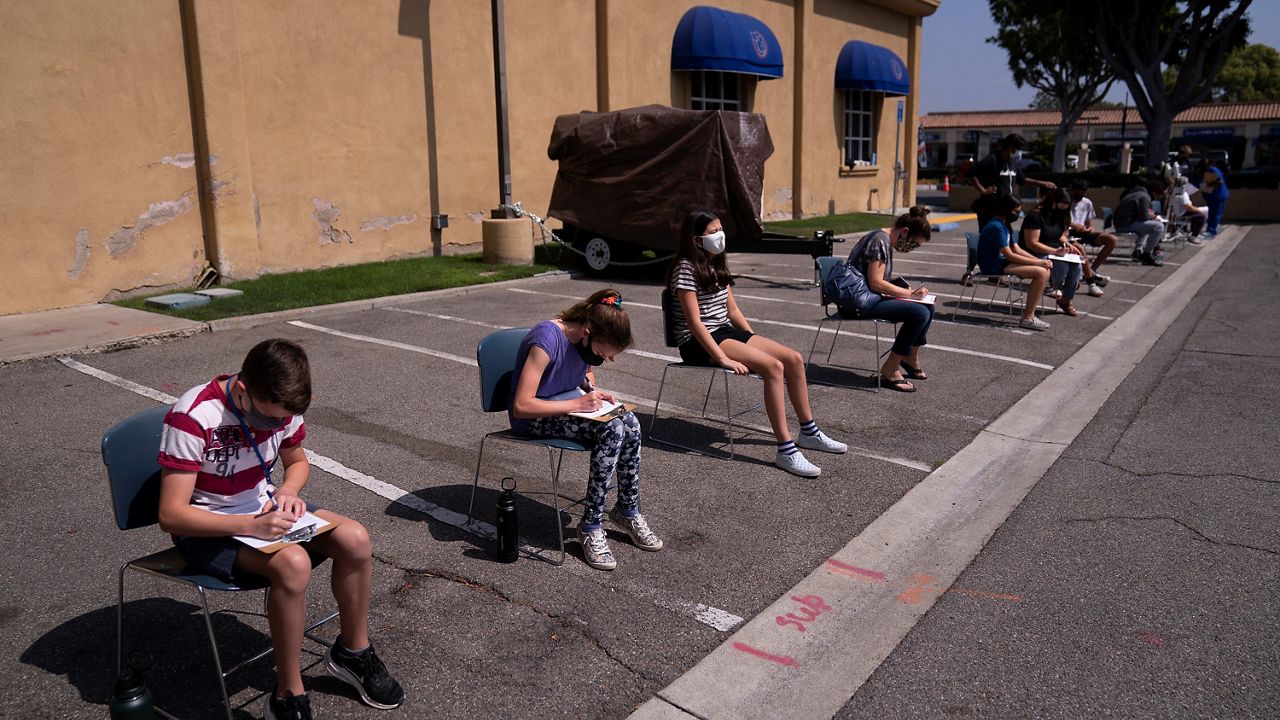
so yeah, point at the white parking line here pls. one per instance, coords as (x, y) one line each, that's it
(808, 281)
(814, 328)
(388, 343)
(711, 616)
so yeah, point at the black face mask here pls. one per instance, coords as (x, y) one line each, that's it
(588, 355)
(254, 417)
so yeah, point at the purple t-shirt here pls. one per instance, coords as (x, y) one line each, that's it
(565, 372)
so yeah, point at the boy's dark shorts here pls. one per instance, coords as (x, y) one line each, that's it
(1090, 237)
(692, 352)
(216, 556)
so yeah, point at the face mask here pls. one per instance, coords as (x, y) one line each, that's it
(905, 243)
(588, 355)
(713, 243)
(255, 419)
(1017, 154)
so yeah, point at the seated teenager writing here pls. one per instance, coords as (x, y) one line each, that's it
(1044, 234)
(556, 358)
(711, 330)
(997, 254)
(219, 443)
(873, 256)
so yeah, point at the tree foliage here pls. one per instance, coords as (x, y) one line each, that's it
(1044, 44)
(1140, 39)
(1250, 74)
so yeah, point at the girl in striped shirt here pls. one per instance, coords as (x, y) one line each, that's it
(711, 330)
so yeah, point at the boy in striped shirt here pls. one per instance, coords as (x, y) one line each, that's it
(219, 443)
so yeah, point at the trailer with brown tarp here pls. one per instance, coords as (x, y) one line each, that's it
(627, 179)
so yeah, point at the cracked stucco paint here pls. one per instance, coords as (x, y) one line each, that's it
(126, 238)
(386, 222)
(326, 214)
(477, 215)
(185, 160)
(82, 254)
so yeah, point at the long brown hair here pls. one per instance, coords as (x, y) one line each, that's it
(709, 271)
(916, 220)
(1048, 209)
(602, 312)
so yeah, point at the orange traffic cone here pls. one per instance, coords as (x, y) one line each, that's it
(946, 183)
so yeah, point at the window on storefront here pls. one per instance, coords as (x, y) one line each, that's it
(860, 127)
(715, 90)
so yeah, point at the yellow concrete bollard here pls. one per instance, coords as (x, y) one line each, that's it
(509, 242)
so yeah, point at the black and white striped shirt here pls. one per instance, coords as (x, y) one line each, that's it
(713, 306)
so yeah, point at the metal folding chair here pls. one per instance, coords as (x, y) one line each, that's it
(1015, 282)
(1108, 224)
(729, 418)
(496, 356)
(824, 266)
(129, 451)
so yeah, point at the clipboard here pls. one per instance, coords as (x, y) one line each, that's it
(333, 519)
(617, 412)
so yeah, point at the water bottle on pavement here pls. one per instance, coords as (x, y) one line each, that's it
(507, 529)
(130, 699)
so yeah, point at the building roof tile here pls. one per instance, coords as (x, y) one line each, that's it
(1213, 112)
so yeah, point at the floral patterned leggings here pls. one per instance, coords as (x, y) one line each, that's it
(614, 445)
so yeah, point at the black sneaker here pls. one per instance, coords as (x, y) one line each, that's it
(291, 707)
(1149, 259)
(365, 672)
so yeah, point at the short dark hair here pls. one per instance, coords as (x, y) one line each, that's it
(1079, 184)
(277, 371)
(1014, 140)
(1005, 203)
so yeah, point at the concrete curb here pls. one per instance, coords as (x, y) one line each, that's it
(113, 345)
(855, 608)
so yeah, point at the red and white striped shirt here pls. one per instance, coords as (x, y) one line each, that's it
(201, 434)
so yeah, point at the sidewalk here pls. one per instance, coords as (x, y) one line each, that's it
(102, 327)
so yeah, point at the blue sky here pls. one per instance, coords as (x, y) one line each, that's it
(963, 72)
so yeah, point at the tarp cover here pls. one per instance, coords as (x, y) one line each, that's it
(635, 174)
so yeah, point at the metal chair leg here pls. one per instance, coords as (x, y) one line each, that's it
(120, 621)
(728, 411)
(213, 645)
(555, 500)
(711, 385)
(654, 418)
(475, 481)
(835, 337)
(814, 345)
(875, 364)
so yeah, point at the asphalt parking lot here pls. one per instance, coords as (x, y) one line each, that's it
(396, 416)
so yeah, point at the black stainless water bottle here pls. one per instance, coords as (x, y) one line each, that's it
(507, 528)
(130, 699)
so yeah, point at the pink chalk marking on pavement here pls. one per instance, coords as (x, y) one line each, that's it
(49, 332)
(1155, 640)
(786, 660)
(857, 570)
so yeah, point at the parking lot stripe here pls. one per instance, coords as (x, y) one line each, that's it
(814, 328)
(809, 282)
(713, 617)
(388, 343)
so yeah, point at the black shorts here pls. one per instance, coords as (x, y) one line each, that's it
(1090, 237)
(216, 556)
(692, 352)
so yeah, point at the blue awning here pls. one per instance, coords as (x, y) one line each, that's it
(863, 66)
(709, 38)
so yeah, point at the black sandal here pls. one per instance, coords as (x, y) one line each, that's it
(912, 372)
(901, 384)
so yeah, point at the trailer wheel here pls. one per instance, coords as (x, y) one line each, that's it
(599, 252)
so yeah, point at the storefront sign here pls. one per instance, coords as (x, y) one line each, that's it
(1209, 132)
(932, 137)
(1126, 135)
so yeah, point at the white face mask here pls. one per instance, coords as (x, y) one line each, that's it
(713, 243)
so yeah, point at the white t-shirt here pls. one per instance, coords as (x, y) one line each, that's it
(1082, 212)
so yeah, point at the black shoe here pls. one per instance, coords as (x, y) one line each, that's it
(1149, 259)
(365, 672)
(1137, 254)
(291, 707)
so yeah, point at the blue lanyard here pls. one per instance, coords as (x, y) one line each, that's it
(248, 436)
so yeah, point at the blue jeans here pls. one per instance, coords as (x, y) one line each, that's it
(1216, 207)
(1149, 233)
(614, 445)
(1065, 276)
(914, 318)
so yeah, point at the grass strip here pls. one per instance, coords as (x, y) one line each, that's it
(306, 288)
(840, 224)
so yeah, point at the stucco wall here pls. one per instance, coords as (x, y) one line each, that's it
(99, 191)
(828, 188)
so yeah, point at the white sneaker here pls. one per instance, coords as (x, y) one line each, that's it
(797, 464)
(1054, 293)
(820, 442)
(638, 529)
(1194, 241)
(1095, 291)
(1033, 323)
(595, 550)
